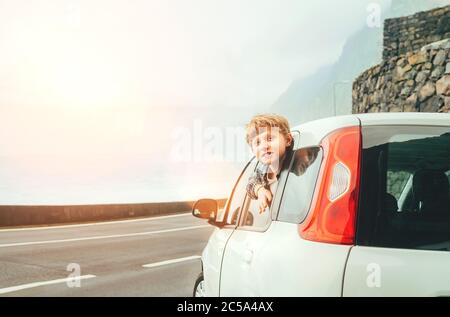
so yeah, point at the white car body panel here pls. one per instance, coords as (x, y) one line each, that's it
(397, 272)
(282, 264)
(312, 132)
(212, 260)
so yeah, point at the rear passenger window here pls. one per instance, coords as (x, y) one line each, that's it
(404, 193)
(252, 219)
(300, 185)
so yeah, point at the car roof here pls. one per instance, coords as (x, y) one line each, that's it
(312, 132)
(405, 118)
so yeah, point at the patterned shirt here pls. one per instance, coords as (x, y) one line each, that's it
(260, 178)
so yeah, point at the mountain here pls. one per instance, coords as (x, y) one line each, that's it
(330, 87)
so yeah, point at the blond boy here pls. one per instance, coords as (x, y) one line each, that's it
(269, 138)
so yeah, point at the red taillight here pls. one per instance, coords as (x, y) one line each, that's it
(333, 211)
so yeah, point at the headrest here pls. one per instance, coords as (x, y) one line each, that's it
(390, 203)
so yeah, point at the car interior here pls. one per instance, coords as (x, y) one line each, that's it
(423, 219)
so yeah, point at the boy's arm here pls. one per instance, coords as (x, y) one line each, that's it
(253, 185)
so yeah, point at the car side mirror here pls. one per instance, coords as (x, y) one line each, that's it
(205, 209)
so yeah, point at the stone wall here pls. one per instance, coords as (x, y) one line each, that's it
(413, 82)
(414, 75)
(407, 34)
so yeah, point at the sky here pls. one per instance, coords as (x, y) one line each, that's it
(94, 94)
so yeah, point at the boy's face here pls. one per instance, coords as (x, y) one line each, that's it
(269, 146)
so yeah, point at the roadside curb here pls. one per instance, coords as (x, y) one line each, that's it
(46, 215)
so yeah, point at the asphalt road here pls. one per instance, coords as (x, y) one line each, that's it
(141, 257)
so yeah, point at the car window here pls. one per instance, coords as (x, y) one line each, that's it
(299, 188)
(237, 197)
(404, 197)
(252, 218)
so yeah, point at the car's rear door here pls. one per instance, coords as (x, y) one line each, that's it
(402, 251)
(241, 257)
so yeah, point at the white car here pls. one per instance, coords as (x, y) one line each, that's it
(361, 208)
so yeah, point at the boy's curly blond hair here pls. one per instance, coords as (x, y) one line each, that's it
(265, 121)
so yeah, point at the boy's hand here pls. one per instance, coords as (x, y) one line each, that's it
(264, 198)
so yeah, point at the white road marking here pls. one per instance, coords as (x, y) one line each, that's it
(194, 257)
(37, 284)
(102, 237)
(96, 224)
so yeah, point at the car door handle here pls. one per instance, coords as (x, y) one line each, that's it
(248, 256)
